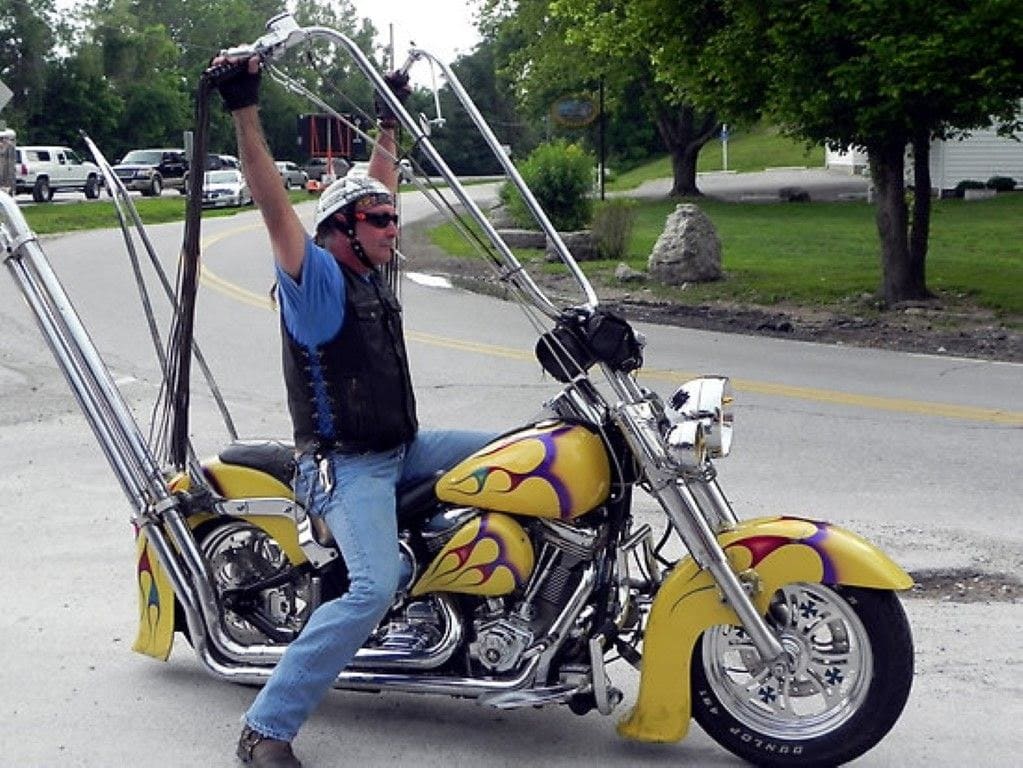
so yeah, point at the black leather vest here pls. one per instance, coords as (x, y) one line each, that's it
(354, 392)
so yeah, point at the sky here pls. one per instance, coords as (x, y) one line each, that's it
(443, 27)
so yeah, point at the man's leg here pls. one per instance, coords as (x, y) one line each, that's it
(436, 449)
(360, 513)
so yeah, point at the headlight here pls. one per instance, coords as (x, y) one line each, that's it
(707, 401)
(687, 444)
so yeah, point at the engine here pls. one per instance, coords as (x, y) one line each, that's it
(503, 633)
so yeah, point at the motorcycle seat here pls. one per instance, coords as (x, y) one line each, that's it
(277, 459)
(274, 457)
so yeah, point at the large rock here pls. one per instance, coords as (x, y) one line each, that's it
(523, 238)
(688, 250)
(580, 244)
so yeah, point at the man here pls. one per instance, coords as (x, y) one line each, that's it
(351, 402)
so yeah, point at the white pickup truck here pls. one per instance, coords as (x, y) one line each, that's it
(45, 170)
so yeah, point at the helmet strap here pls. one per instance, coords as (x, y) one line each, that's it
(357, 249)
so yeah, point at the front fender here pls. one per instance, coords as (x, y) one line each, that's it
(781, 551)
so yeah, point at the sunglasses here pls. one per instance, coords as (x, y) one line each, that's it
(378, 220)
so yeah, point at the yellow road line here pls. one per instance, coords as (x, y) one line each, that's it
(810, 394)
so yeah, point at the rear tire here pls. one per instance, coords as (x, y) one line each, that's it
(91, 188)
(42, 192)
(853, 669)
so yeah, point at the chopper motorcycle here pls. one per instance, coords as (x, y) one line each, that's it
(525, 567)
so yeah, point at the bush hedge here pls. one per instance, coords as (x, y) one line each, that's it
(559, 175)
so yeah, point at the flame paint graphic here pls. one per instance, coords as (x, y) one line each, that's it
(543, 471)
(475, 563)
(760, 547)
(150, 596)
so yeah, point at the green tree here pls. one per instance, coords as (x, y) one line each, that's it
(882, 75)
(27, 39)
(76, 98)
(554, 48)
(461, 145)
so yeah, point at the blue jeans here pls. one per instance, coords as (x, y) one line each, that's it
(360, 512)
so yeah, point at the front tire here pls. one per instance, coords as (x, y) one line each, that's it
(850, 676)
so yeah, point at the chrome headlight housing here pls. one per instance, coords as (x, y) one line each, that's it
(706, 401)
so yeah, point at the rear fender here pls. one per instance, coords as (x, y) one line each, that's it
(155, 592)
(778, 551)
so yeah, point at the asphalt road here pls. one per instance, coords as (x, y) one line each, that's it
(920, 454)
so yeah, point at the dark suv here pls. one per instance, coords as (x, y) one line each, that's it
(150, 170)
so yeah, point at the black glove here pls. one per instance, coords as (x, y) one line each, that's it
(238, 87)
(399, 85)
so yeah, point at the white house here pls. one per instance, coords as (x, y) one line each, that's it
(976, 158)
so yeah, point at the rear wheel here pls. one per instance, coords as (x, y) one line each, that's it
(92, 188)
(42, 192)
(264, 597)
(850, 672)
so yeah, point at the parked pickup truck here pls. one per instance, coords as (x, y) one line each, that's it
(44, 170)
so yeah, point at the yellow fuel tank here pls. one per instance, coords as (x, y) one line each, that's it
(552, 469)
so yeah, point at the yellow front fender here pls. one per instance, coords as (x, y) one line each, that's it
(780, 551)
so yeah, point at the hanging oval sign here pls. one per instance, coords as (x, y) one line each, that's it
(574, 111)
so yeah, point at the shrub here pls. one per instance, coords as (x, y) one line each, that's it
(1001, 183)
(612, 227)
(559, 176)
(966, 184)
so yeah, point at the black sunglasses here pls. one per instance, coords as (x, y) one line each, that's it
(378, 220)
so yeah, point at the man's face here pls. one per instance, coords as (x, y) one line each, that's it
(376, 228)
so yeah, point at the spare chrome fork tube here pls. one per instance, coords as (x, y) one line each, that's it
(101, 402)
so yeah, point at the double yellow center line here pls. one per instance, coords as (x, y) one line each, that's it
(809, 394)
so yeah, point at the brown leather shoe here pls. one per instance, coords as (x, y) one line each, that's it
(263, 752)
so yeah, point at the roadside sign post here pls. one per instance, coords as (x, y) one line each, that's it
(724, 146)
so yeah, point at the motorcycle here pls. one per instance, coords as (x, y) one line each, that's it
(524, 566)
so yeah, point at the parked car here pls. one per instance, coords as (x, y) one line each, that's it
(216, 162)
(43, 170)
(151, 170)
(317, 167)
(225, 188)
(291, 174)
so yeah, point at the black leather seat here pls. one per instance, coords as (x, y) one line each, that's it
(277, 459)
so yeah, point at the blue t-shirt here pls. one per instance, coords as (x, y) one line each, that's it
(313, 306)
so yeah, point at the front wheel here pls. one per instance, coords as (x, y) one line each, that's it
(849, 674)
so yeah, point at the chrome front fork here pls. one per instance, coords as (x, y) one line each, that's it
(684, 509)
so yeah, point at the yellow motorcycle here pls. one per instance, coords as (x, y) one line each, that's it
(525, 569)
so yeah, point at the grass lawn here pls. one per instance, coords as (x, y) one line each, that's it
(47, 218)
(828, 253)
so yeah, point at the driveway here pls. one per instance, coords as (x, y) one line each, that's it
(765, 186)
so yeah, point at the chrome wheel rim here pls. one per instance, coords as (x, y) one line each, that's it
(240, 554)
(825, 682)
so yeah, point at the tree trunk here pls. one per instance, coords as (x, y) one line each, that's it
(887, 168)
(684, 132)
(921, 224)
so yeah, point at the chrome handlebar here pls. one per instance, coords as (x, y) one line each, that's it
(284, 33)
